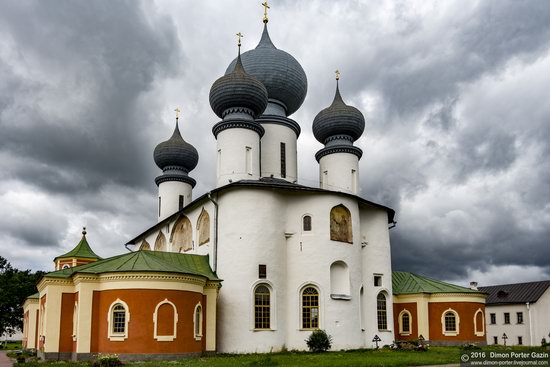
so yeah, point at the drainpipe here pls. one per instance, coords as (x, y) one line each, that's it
(530, 324)
(215, 242)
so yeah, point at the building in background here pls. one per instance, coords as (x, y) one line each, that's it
(438, 312)
(520, 311)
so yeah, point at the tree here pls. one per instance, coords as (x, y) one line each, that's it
(15, 286)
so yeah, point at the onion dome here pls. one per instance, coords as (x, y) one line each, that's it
(238, 91)
(283, 76)
(176, 154)
(338, 121)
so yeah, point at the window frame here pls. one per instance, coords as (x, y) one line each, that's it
(492, 318)
(303, 326)
(444, 330)
(304, 230)
(402, 331)
(262, 308)
(118, 336)
(198, 335)
(479, 332)
(165, 338)
(382, 314)
(506, 318)
(519, 318)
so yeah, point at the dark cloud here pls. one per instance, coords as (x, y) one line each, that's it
(457, 135)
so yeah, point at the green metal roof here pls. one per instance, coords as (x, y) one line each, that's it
(82, 250)
(409, 283)
(144, 261)
(34, 296)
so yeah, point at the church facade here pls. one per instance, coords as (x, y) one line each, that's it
(255, 264)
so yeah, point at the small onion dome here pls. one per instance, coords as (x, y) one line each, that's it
(176, 152)
(238, 91)
(281, 74)
(338, 119)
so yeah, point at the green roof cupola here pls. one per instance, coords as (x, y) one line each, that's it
(81, 254)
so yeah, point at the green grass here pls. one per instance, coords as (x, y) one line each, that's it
(363, 357)
(11, 345)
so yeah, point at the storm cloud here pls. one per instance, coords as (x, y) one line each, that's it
(454, 93)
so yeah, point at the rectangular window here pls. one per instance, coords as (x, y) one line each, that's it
(353, 181)
(520, 340)
(378, 280)
(248, 159)
(262, 271)
(283, 160)
(181, 202)
(507, 317)
(520, 317)
(493, 318)
(159, 205)
(495, 339)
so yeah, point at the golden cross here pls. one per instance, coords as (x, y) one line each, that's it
(239, 36)
(337, 74)
(266, 6)
(177, 112)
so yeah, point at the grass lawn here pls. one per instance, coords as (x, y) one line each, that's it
(364, 357)
(11, 345)
(367, 357)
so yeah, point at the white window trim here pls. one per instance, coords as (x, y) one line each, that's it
(476, 332)
(272, 305)
(118, 337)
(385, 293)
(321, 305)
(200, 334)
(310, 232)
(457, 319)
(164, 338)
(400, 318)
(75, 321)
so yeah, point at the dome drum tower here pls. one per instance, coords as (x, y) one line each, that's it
(337, 127)
(176, 158)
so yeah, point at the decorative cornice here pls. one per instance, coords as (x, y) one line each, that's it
(248, 111)
(176, 168)
(280, 120)
(175, 177)
(237, 124)
(338, 137)
(189, 279)
(339, 149)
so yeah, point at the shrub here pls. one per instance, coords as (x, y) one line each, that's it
(107, 360)
(319, 341)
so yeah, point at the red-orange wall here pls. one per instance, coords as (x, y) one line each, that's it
(466, 311)
(411, 307)
(141, 304)
(66, 325)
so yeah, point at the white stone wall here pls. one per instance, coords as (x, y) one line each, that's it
(238, 155)
(271, 152)
(339, 172)
(540, 312)
(513, 329)
(170, 192)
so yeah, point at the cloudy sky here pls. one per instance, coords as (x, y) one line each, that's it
(455, 93)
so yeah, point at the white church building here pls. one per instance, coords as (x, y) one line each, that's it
(290, 258)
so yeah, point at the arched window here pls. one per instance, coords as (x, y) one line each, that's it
(262, 307)
(479, 323)
(165, 321)
(339, 281)
(203, 227)
(362, 308)
(381, 312)
(160, 243)
(182, 235)
(197, 321)
(145, 246)
(405, 323)
(340, 224)
(117, 320)
(450, 322)
(310, 308)
(65, 266)
(306, 223)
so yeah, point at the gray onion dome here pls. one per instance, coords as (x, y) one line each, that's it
(176, 153)
(281, 74)
(238, 91)
(338, 119)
